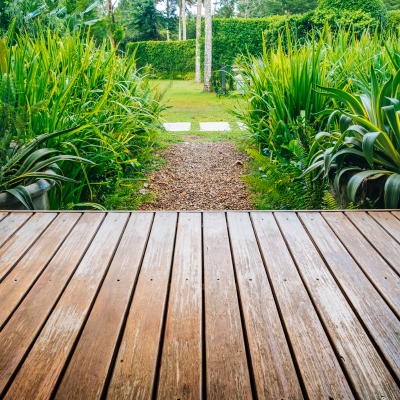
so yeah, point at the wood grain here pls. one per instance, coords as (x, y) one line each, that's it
(320, 370)
(367, 373)
(11, 224)
(135, 368)
(181, 361)
(378, 318)
(374, 266)
(274, 373)
(15, 248)
(227, 373)
(3, 214)
(386, 246)
(16, 284)
(42, 368)
(388, 221)
(27, 321)
(97, 344)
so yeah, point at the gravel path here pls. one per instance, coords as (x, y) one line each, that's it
(200, 176)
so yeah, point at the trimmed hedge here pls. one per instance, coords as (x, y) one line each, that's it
(234, 36)
(394, 20)
(167, 59)
(375, 8)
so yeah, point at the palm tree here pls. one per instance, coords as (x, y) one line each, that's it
(207, 46)
(198, 36)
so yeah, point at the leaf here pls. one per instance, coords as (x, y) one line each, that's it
(392, 191)
(368, 144)
(22, 194)
(357, 179)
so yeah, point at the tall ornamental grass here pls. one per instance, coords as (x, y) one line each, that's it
(286, 105)
(281, 86)
(50, 83)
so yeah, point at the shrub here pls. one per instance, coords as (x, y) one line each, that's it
(362, 149)
(394, 20)
(167, 59)
(375, 8)
(52, 83)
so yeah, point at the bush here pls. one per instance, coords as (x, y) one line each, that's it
(375, 8)
(169, 60)
(52, 83)
(394, 20)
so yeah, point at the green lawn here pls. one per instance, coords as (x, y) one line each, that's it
(188, 103)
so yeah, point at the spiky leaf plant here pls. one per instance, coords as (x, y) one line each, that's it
(362, 150)
(28, 162)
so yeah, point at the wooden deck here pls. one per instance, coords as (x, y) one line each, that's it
(191, 305)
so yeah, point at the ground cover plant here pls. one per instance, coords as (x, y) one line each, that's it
(286, 107)
(52, 83)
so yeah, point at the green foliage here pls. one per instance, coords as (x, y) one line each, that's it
(394, 20)
(279, 185)
(26, 163)
(362, 150)
(172, 59)
(375, 8)
(392, 5)
(52, 83)
(281, 86)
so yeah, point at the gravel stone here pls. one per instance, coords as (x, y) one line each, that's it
(200, 176)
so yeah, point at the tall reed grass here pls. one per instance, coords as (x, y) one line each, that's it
(281, 86)
(51, 83)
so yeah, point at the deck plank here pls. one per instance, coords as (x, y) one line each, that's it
(388, 221)
(274, 372)
(97, 344)
(367, 372)
(42, 368)
(25, 324)
(15, 248)
(181, 361)
(11, 224)
(18, 282)
(378, 318)
(3, 214)
(227, 374)
(374, 266)
(135, 368)
(320, 370)
(386, 246)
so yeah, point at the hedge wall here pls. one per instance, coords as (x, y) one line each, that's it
(167, 59)
(394, 20)
(233, 36)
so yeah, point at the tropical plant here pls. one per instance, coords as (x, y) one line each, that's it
(278, 183)
(87, 86)
(362, 149)
(26, 163)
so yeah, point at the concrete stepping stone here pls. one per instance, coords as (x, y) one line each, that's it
(177, 126)
(214, 126)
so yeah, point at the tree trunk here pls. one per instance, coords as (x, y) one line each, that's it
(179, 21)
(198, 36)
(207, 46)
(112, 19)
(184, 19)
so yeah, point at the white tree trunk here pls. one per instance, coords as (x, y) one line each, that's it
(207, 46)
(179, 23)
(184, 19)
(198, 36)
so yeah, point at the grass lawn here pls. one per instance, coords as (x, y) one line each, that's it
(188, 103)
